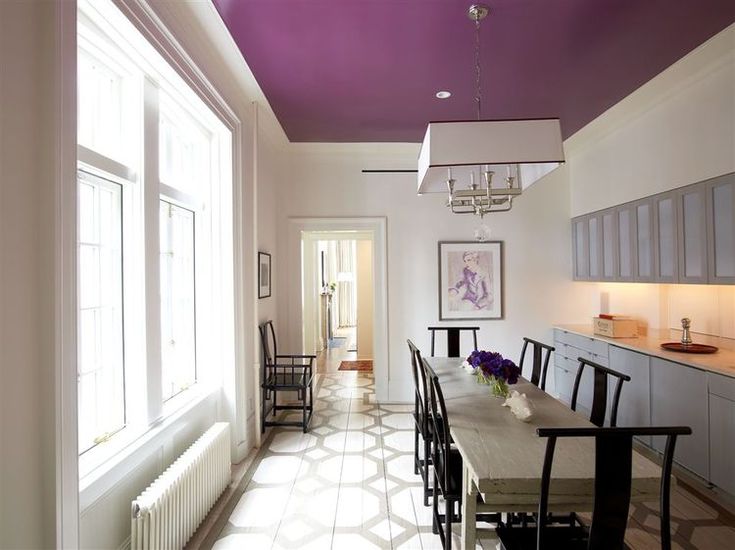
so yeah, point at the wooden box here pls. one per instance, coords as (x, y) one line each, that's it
(615, 328)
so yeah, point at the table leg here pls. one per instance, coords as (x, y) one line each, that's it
(469, 510)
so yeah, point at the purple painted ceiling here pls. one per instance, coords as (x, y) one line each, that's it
(367, 70)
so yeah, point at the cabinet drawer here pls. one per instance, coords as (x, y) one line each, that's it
(566, 363)
(573, 353)
(592, 345)
(724, 386)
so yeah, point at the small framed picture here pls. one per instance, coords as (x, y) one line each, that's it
(470, 280)
(264, 275)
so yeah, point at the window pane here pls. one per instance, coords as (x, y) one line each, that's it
(178, 350)
(100, 355)
(100, 92)
(184, 148)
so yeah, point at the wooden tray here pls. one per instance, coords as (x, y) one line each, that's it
(691, 348)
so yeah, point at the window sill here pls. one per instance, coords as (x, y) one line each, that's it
(103, 466)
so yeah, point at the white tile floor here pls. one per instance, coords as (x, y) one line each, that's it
(347, 484)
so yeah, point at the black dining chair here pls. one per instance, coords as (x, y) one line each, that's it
(447, 464)
(612, 492)
(599, 391)
(422, 426)
(284, 373)
(453, 338)
(540, 362)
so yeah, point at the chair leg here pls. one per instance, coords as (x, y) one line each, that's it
(448, 513)
(426, 473)
(415, 450)
(275, 393)
(263, 396)
(303, 402)
(435, 508)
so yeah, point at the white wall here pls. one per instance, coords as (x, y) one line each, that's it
(27, 406)
(364, 281)
(677, 129)
(538, 289)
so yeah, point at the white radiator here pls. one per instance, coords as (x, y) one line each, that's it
(168, 512)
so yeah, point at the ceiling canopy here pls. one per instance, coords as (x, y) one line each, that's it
(368, 70)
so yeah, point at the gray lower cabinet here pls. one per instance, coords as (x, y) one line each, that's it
(721, 431)
(679, 398)
(634, 408)
(721, 237)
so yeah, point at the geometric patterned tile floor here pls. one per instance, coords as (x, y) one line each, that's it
(349, 484)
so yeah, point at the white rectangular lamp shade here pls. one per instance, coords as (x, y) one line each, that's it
(535, 145)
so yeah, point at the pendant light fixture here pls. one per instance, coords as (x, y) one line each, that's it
(484, 164)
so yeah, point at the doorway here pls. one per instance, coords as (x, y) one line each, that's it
(304, 285)
(343, 296)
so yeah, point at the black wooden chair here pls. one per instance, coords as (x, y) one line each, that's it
(422, 425)
(541, 354)
(284, 373)
(447, 464)
(613, 475)
(599, 392)
(453, 334)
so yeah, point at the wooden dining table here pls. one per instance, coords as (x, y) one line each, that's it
(503, 457)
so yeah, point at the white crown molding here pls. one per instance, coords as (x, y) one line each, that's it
(711, 56)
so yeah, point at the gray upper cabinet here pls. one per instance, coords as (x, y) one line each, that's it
(679, 398)
(626, 251)
(581, 248)
(721, 237)
(609, 246)
(692, 220)
(686, 235)
(665, 252)
(643, 240)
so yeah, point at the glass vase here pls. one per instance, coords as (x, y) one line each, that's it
(499, 387)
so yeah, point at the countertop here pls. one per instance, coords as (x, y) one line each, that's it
(721, 362)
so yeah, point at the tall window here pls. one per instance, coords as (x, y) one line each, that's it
(101, 359)
(153, 174)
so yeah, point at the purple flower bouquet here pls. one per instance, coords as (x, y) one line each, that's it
(493, 369)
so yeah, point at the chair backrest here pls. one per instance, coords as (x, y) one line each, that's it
(268, 341)
(441, 455)
(421, 398)
(613, 476)
(599, 392)
(453, 334)
(541, 354)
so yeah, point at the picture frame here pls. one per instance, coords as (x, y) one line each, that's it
(470, 280)
(264, 275)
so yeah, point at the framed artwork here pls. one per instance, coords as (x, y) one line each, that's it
(264, 275)
(470, 280)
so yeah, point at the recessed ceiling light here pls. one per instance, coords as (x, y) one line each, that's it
(443, 94)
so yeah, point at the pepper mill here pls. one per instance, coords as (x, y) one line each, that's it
(686, 338)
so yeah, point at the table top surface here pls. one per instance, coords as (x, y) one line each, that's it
(504, 456)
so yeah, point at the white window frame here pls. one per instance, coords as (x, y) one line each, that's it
(147, 413)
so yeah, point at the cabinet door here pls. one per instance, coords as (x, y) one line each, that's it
(643, 211)
(634, 408)
(625, 221)
(722, 443)
(595, 246)
(563, 378)
(609, 249)
(679, 398)
(721, 229)
(692, 220)
(666, 268)
(580, 238)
